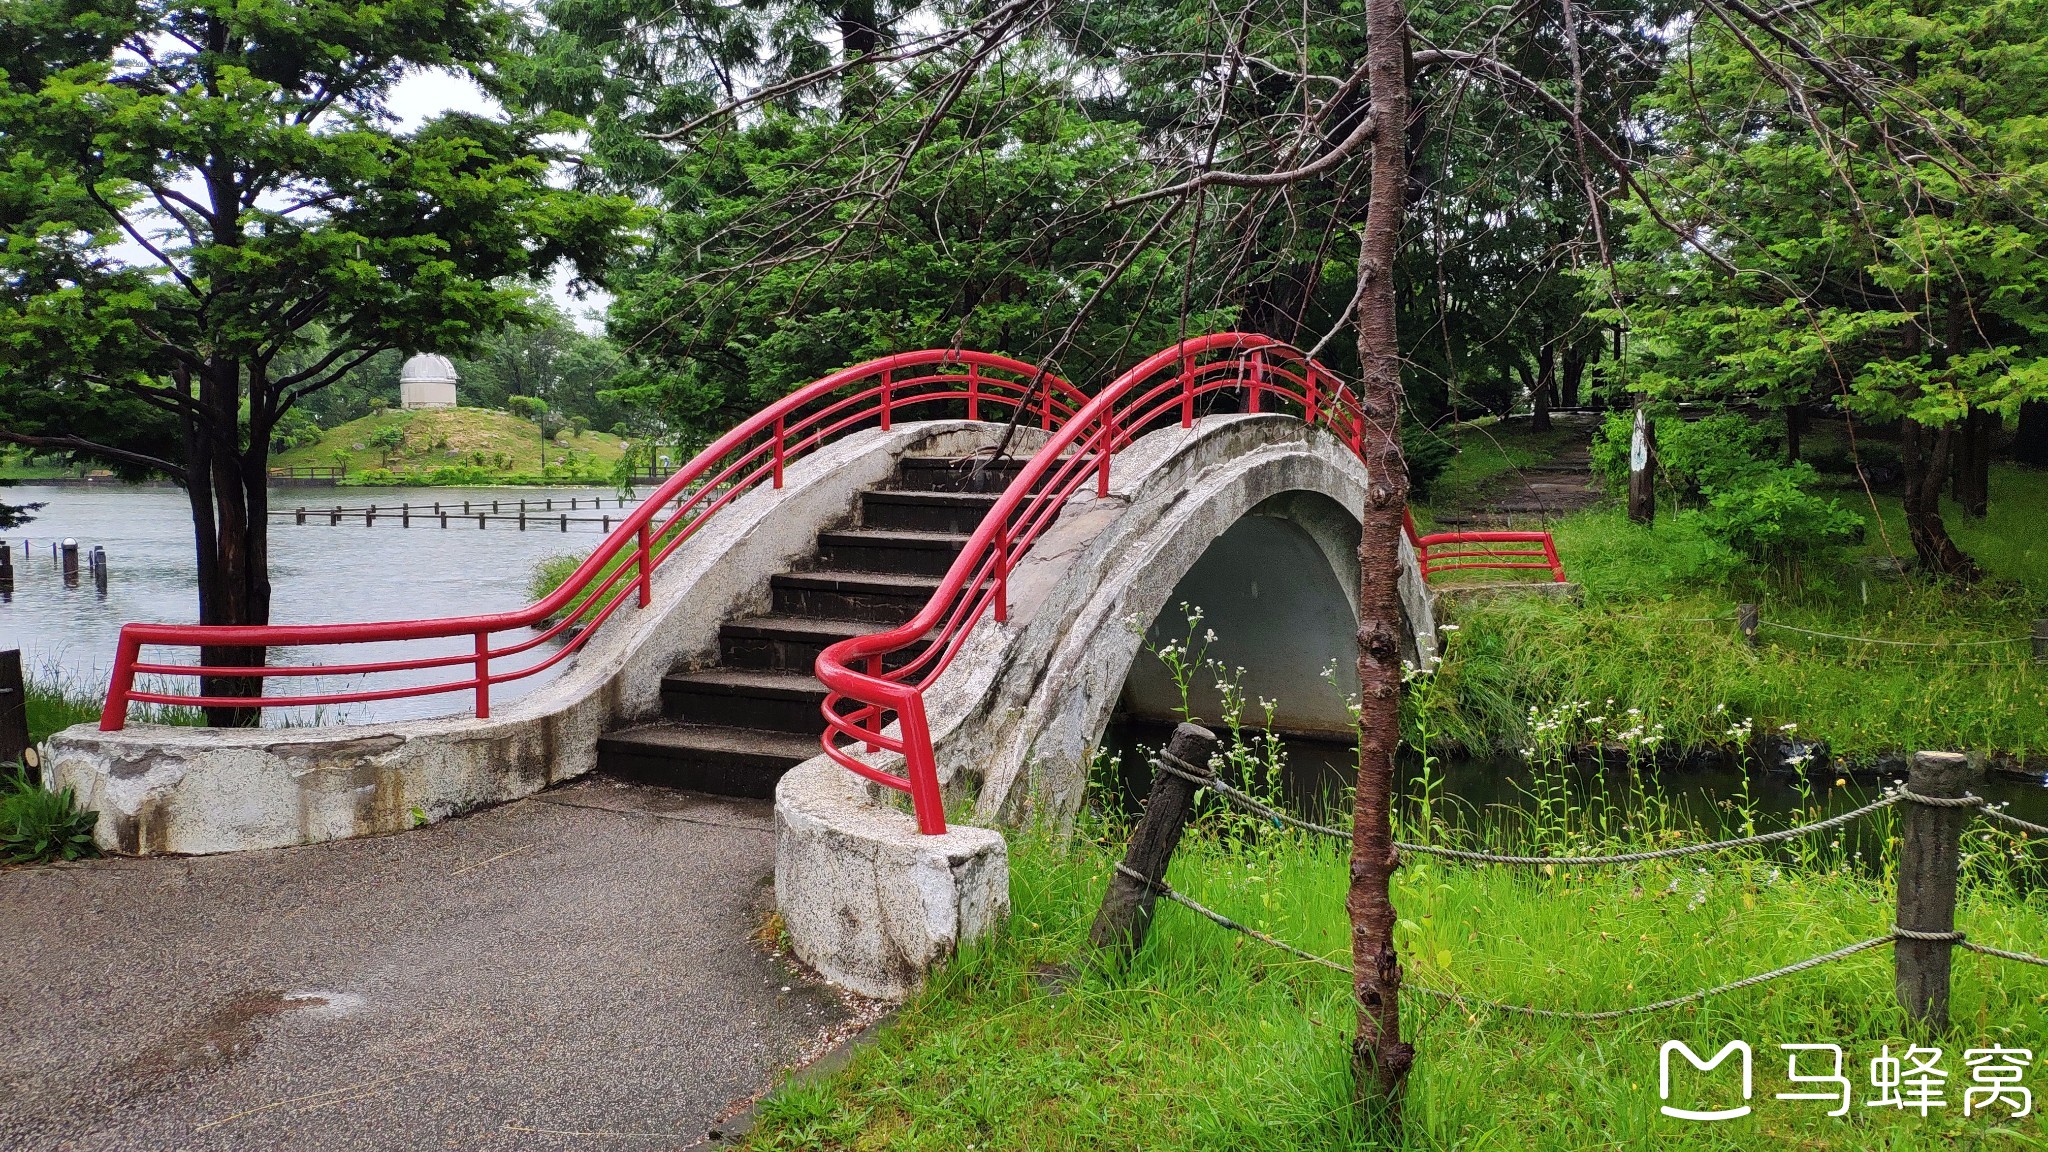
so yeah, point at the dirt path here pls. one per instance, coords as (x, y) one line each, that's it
(1535, 494)
(575, 970)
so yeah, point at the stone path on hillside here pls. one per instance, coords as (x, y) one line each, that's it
(574, 970)
(1534, 495)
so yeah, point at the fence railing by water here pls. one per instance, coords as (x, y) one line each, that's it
(1938, 808)
(938, 383)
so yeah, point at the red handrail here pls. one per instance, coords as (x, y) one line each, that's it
(1449, 551)
(931, 383)
(1269, 376)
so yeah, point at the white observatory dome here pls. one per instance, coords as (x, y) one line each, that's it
(427, 381)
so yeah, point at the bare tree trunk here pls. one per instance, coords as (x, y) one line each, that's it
(1546, 387)
(1924, 453)
(1379, 1058)
(1971, 484)
(1795, 425)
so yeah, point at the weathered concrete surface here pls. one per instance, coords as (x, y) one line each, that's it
(869, 902)
(1023, 705)
(184, 790)
(540, 976)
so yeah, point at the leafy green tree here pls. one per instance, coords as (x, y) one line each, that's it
(1885, 258)
(209, 217)
(766, 273)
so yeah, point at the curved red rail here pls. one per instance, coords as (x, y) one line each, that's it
(930, 384)
(1264, 374)
(1449, 551)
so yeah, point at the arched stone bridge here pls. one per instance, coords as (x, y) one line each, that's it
(1249, 514)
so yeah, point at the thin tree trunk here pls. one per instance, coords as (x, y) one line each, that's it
(1971, 483)
(1379, 1058)
(1546, 386)
(1575, 362)
(1924, 452)
(1795, 426)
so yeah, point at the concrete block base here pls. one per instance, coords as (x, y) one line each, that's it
(868, 902)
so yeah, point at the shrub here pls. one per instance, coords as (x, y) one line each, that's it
(37, 825)
(1428, 454)
(1722, 469)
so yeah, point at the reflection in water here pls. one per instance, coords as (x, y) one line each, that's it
(1497, 792)
(66, 622)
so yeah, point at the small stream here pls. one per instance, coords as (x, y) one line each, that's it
(1490, 790)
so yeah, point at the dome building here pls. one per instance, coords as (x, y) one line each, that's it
(427, 381)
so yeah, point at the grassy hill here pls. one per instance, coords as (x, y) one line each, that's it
(454, 446)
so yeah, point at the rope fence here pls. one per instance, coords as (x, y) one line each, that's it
(1940, 807)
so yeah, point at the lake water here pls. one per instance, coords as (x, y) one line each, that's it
(318, 573)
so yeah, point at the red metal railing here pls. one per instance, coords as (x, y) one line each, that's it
(1449, 551)
(865, 691)
(922, 385)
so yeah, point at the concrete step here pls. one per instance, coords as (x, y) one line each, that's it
(983, 474)
(840, 595)
(893, 550)
(791, 643)
(953, 512)
(711, 758)
(766, 700)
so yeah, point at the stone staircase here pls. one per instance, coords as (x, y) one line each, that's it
(1534, 495)
(734, 728)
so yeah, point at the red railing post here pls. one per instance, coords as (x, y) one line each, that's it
(778, 451)
(646, 562)
(1258, 379)
(920, 765)
(1108, 444)
(114, 713)
(1187, 391)
(483, 675)
(886, 385)
(1550, 554)
(1003, 574)
(974, 391)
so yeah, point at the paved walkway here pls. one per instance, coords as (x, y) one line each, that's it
(575, 970)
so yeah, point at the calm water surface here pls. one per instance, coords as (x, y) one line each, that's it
(318, 573)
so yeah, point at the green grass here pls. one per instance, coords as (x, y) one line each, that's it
(1213, 1041)
(1656, 631)
(456, 445)
(1488, 450)
(55, 704)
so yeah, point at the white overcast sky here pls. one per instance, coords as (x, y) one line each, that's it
(423, 95)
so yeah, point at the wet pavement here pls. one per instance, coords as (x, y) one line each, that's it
(580, 969)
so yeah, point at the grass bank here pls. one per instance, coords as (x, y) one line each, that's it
(1211, 1040)
(1940, 665)
(467, 446)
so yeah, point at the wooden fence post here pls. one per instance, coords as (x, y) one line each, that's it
(1642, 469)
(13, 706)
(1928, 852)
(1126, 913)
(1746, 621)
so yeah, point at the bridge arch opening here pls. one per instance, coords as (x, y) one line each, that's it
(1278, 591)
